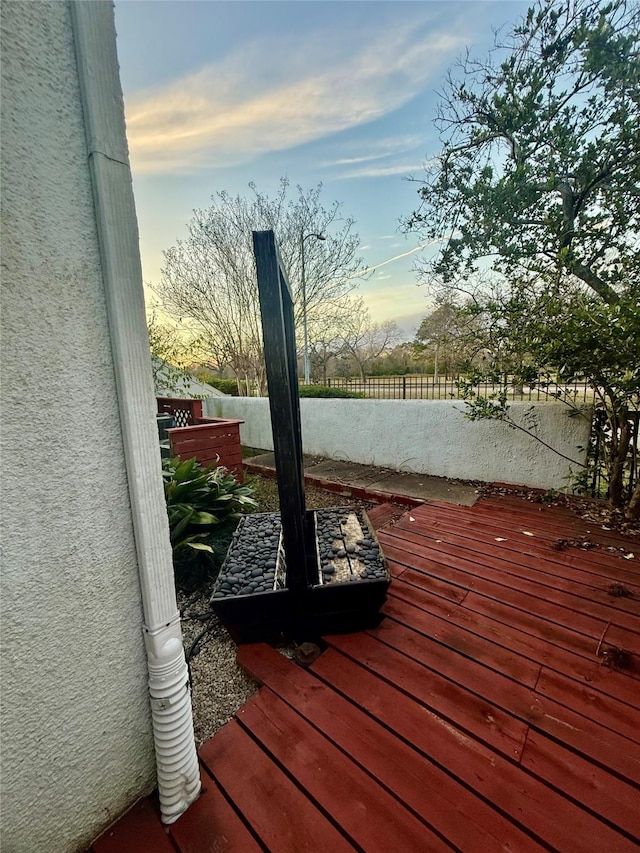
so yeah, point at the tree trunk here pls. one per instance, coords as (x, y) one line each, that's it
(633, 507)
(241, 388)
(620, 438)
(261, 383)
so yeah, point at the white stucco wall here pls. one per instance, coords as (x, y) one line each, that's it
(75, 721)
(426, 436)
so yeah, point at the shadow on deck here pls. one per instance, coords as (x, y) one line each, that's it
(479, 716)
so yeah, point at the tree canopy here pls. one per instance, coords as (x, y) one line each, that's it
(449, 335)
(535, 190)
(540, 165)
(172, 353)
(208, 279)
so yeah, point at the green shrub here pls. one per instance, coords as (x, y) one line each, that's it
(326, 391)
(204, 504)
(227, 386)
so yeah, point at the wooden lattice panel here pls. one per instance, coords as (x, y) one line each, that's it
(182, 417)
(184, 412)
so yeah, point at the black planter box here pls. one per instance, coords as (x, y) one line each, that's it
(347, 589)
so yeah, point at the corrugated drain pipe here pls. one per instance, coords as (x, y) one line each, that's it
(95, 47)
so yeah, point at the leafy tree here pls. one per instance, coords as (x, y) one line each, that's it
(541, 164)
(580, 336)
(398, 361)
(584, 336)
(209, 277)
(449, 335)
(537, 183)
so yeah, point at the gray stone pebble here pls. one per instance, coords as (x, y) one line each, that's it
(250, 566)
(332, 545)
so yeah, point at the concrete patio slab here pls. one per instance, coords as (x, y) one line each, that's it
(428, 488)
(370, 481)
(345, 472)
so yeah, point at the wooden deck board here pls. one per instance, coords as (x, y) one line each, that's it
(531, 804)
(589, 618)
(505, 659)
(586, 670)
(477, 717)
(577, 598)
(552, 524)
(521, 706)
(382, 514)
(469, 711)
(536, 552)
(353, 799)
(138, 831)
(589, 784)
(594, 570)
(441, 801)
(212, 817)
(278, 812)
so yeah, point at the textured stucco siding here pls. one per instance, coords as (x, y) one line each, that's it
(76, 736)
(429, 437)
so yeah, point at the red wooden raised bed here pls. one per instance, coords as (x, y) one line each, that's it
(205, 439)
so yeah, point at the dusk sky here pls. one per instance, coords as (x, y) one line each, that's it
(219, 94)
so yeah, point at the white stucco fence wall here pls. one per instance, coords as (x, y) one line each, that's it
(75, 718)
(427, 436)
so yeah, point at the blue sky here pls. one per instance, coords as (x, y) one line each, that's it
(218, 94)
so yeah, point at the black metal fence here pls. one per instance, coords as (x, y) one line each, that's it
(441, 388)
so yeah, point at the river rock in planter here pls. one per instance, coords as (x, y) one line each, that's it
(348, 551)
(255, 558)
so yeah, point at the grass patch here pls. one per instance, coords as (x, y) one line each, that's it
(249, 452)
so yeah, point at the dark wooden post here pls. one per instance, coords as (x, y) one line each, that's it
(278, 330)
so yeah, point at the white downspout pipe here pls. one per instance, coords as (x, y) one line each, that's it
(95, 47)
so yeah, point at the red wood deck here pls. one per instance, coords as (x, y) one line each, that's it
(477, 717)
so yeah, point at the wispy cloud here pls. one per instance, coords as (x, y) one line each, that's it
(381, 171)
(280, 93)
(379, 149)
